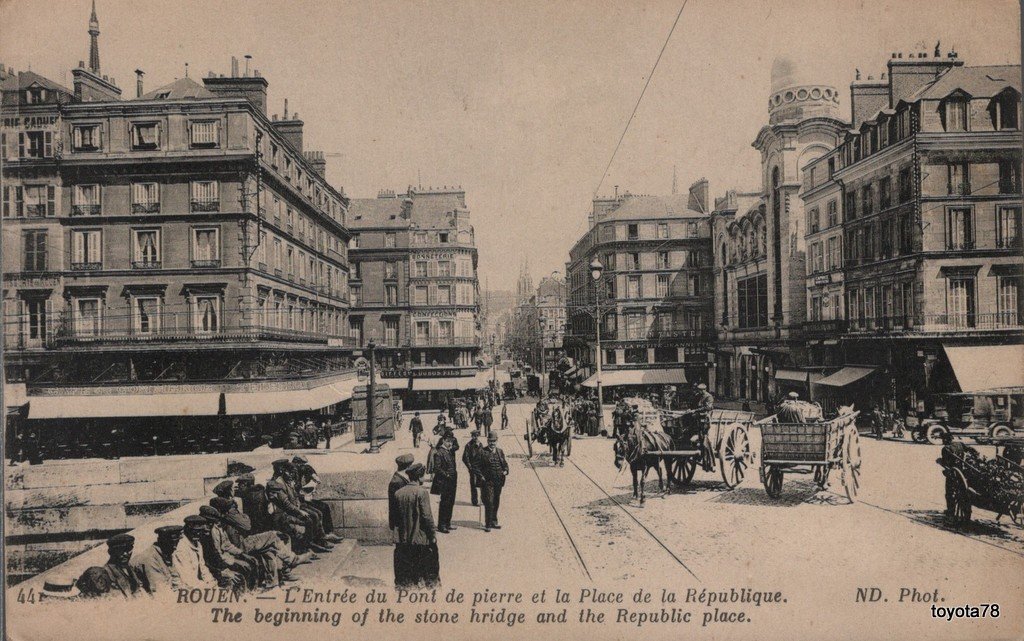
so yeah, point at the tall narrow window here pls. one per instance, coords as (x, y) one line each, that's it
(146, 249)
(1008, 225)
(204, 133)
(205, 196)
(35, 250)
(958, 179)
(959, 228)
(206, 247)
(87, 316)
(662, 289)
(1008, 301)
(145, 198)
(956, 114)
(960, 301)
(86, 250)
(147, 316)
(1005, 111)
(207, 314)
(85, 200)
(1009, 177)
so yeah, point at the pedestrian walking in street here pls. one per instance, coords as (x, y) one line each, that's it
(416, 427)
(494, 469)
(398, 480)
(504, 417)
(444, 484)
(417, 562)
(470, 458)
(325, 432)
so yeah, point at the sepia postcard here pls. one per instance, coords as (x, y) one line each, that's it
(595, 319)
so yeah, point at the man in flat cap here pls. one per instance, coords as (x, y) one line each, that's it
(444, 483)
(398, 480)
(416, 555)
(416, 427)
(493, 469)
(305, 475)
(235, 558)
(117, 577)
(155, 564)
(470, 454)
(253, 497)
(289, 517)
(189, 558)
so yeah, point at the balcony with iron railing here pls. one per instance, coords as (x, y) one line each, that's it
(146, 208)
(919, 324)
(205, 205)
(87, 266)
(85, 210)
(172, 327)
(445, 341)
(146, 264)
(208, 263)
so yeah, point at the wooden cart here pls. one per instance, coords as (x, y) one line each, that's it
(969, 484)
(727, 444)
(811, 448)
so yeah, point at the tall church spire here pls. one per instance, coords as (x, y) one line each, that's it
(94, 42)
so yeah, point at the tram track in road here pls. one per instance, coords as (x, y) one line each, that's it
(646, 531)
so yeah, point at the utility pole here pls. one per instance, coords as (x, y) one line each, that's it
(371, 402)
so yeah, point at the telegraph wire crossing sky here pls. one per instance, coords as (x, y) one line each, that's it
(520, 103)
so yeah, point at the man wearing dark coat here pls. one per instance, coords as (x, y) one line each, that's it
(118, 576)
(416, 427)
(416, 557)
(445, 482)
(469, 459)
(493, 469)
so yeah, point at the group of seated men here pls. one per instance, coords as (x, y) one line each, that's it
(249, 537)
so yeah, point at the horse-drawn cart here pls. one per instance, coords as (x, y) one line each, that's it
(995, 484)
(726, 443)
(810, 447)
(547, 425)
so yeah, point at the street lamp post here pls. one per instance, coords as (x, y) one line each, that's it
(494, 367)
(596, 270)
(371, 402)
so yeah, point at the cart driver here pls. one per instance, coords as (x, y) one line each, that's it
(701, 407)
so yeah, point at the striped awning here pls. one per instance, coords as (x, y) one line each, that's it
(663, 376)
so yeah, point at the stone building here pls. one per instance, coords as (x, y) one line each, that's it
(551, 318)
(654, 293)
(172, 259)
(414, 289)
(760, 246)
(930, 185)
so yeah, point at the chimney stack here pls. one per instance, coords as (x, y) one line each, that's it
(138, 82)
(907, 75)
(317, 160)
(699, 196)
(252, 88)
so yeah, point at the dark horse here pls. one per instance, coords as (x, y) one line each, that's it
(553, 430)
(637, 448)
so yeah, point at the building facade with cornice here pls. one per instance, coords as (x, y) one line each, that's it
(172, 260)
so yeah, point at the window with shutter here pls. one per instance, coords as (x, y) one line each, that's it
(205, 196)
(204, 133)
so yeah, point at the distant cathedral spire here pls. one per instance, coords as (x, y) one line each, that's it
(94, 41)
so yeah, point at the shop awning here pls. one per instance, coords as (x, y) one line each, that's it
(290, 400)
(845, 376)
(124, 405)
(982, 367)
(791, 375)
(638, 377)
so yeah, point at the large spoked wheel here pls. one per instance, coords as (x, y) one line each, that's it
(771, 477)
(821, 473)
(934, 433)
(685, 469)
(851, 463)
(733, 455)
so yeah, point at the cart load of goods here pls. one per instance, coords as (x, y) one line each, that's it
(997, 479)
(799, 412)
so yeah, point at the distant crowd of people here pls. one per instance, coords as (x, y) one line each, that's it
(249, 537)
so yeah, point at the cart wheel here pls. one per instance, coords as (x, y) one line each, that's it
(1001, 431)
(685, 469)
(821, 473)
(771, 476)
(934, 433)
(734, 452)
(851, 463)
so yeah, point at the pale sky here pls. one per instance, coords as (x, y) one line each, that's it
(519, 101)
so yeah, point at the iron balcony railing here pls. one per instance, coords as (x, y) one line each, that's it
(183, 327)
(205, 205)
(918, 323)
(444, 341)
(146, 208)
(85, 210)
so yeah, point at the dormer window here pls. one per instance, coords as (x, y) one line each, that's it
(1005, 111)
(35, 95)
(955, 113)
